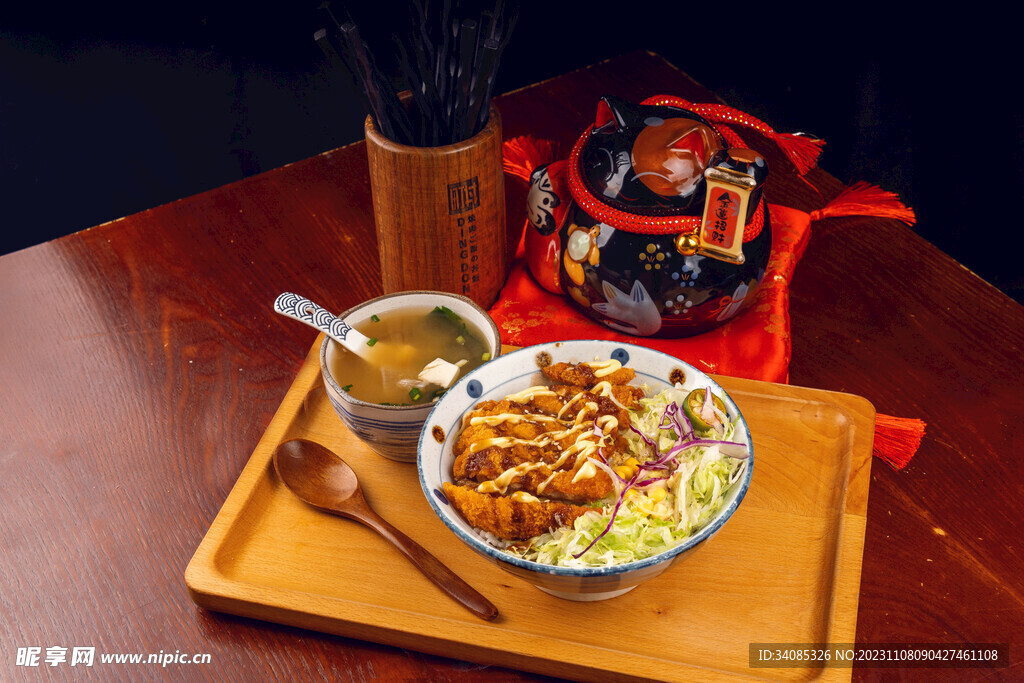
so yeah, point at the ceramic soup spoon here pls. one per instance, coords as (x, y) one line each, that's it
(316, 316)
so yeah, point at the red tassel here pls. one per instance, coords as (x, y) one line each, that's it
(523, 154)
(865, 199)
(802, 151)
(897, 439)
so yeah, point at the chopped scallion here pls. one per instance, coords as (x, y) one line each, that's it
(447, 312)
(346, 387)
(371, 341)
(460, 339)
(374, 318)
(486, 356)
(415, 394)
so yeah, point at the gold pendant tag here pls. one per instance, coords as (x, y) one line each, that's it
(725, 214)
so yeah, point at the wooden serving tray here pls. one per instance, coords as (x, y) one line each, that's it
(785, 569)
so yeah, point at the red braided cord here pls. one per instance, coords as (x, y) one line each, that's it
(716, 113)
(631, 222)
(728, 134)
(802, 151)
(668, 101)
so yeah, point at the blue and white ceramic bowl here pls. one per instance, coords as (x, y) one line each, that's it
(520, 369)
(393, 431)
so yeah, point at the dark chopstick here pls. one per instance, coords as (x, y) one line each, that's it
(467, 57)
(484, 82)
(449, 68)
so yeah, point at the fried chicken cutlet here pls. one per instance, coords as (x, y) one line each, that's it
(508, 518)
(528, 432)
(520, 442)
(586, 375)
(540, 441)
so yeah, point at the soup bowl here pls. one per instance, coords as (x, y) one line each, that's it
(514, 372)
(393, 430)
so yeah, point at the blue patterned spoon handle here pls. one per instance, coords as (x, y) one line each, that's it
(305, 311)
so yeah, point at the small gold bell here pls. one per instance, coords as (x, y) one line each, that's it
(687, 243)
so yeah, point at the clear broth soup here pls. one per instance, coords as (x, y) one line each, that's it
(433, 333)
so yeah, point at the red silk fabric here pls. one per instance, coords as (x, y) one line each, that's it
(755, 344)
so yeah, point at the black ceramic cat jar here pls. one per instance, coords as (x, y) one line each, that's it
(655, 225)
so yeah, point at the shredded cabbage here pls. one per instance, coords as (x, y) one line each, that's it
(640, 522)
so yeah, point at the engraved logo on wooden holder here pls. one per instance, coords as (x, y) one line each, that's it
(440, 214)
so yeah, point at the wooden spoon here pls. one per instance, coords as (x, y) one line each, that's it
(322, 479)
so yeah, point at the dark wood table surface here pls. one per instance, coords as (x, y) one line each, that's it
(141, 361)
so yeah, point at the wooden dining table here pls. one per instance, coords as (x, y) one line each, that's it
(141, 362)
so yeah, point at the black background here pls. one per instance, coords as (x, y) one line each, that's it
(107, 110)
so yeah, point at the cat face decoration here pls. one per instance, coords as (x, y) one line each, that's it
(654, 225)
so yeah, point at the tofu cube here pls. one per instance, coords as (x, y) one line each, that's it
(440, 372)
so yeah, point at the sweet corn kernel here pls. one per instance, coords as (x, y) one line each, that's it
(633, 462)
(623, 471)
(656, 494)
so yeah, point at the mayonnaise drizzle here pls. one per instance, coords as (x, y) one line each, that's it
(586, 472)
(493, 420)
(585, 445)
(501, 483)
(509, 441)
(599, 389)
(604, 368)
(527, 394)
